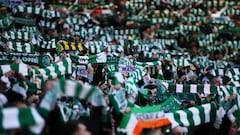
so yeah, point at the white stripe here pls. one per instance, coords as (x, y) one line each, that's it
(193, 88)
(183, 118)
(23, 69)
(52, 71)
(37, 128)
(179, 88)
(69, 65)
(171, 118)
(206, 89)
(61, 68)
(131, 124)
(207, 108)
(221, 72)
(70, 88)
(85, 91)
(10, 118)
(196, 118)
(5, 68)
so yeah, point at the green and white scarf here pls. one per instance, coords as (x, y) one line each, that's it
(154, 63)
(19, 68)
(6, 22)
(193, 116)
(192, 88)
(118, 101)
(14, 118)
(38, 11)
(96, 58)
(63, 67)
(161, 20)
(47, 24)
(137, 74)
(76, 89)
(68, 114)
(21, 47)
(11, 35)
(48, 102)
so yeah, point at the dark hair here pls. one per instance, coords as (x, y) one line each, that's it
(225, 126)
(70, 127)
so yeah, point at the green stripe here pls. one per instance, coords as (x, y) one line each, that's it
(90, 92)
(78, 89)
(25, 117)
(177, 118)
(201, 114)
(190, 118)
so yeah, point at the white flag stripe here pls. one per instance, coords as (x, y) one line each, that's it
(207, 88)
(70, 88)
(207, 109)
(183, 118)
(196, 118)
(40, 123)
(10, 118)
(179, 88)
(193, 88)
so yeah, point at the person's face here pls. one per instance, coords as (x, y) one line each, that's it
(49, 85)
(103, 86)
(82, 130)
(216, 81)
(233, 129)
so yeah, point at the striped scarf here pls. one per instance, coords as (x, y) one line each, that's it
(48, 102)
(63, 67)
(118, 101)
(154, 63)
(192, 88)
(231, 12)
(137, 74)
(11, 35)
(218, 4)
(181, 62)
(161, 20)
(47, 24)
(193, 116)
(76, 89)
(13, 118)
(38, 11)
(96, 46)
(63, 45)
(21, 47)
(197, 12)
(186, 28)
(68, 114)
(194, 19)
(19, 68)
(6, 22)
(233, 44)
(51, 44)
(131, 86)
(125, 32)
(96, 58)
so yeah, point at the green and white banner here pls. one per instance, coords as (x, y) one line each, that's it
(96, 58)
(35, 59)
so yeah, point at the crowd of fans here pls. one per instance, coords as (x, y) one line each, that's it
(106, 67)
